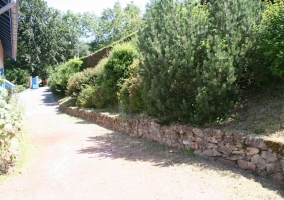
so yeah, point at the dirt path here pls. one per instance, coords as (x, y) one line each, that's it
(70, 158)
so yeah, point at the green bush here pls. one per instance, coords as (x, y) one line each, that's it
(18, 76)
(116, 70)
(271, 33)
(11, 123)
(77, 83)
(85, 98)
(194, 56)
(62, 73)
(131, 95)
(99, 98)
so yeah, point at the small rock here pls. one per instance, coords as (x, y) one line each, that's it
(251, 166)
(225, 150)
(269, 157)
(228, 139)
(238, 152)
(228, 133)
(211, 153)
(213, 140)
(231, 147)
(212, 146)
(198, 152)
(273, 167)
(243, 164)
(239, 145)
(199, 140)
(194, 145)
(239, 136)
(252, 151)
(235, 157)
(226, 162)
(256, 142)
(218, 134)
(198, 132)
(185, 142)
(259, 161)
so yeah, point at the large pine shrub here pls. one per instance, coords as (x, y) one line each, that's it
(193, 57)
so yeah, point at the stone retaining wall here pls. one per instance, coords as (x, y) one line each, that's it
(262, 156)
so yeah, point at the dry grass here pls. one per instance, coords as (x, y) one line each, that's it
(260, 113)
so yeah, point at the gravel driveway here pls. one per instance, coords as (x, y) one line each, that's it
(73, 159)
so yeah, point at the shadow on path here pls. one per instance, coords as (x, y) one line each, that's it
(132, 148)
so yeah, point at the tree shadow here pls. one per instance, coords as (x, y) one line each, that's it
(117, 145)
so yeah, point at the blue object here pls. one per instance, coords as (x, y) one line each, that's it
(35, 84)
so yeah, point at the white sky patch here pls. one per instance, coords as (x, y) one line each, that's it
(96, 6)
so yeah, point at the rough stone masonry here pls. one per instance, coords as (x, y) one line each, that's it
(262, 156)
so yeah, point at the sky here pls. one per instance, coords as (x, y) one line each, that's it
(96, 6)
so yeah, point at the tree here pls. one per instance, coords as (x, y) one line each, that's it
(193, 57)
(116, 23)
(43, 38)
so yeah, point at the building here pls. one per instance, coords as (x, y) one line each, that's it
(8, 31)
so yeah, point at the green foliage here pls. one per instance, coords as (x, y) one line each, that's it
(99, 98)
(11, 123)
(18, 76)
(77, 83)
(62, 73)
(193, 57)
(271, 33)
(116, 23)
(116, 70)
(85, 98)
(130, 94)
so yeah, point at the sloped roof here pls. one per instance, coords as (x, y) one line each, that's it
(9, 29)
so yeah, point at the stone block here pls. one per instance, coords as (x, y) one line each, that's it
(235, 157)
(242, 164)
(198, 132)
(225, 150)
(226, 162)
(252, 151)
(211, 153)
(259, 161)
(185, 142)
(269, 157)
(256, 142)
(239, 145)
(218, 134)
(212, 140)
(194, 145)
(238, 152)
(212, 146)
(228, 139)
(231, 147)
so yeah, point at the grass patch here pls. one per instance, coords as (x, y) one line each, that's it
(259, 113)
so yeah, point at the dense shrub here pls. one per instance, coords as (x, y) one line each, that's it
(131, 95)
(11, 123)
(18, 76)
(116, 70)
(85, 98)
(62, 73)
(271, 33)
(193, 57)
(77, 83)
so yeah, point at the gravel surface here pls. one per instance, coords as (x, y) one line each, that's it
(70, 158)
